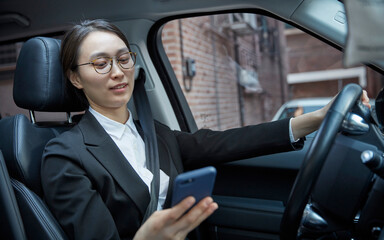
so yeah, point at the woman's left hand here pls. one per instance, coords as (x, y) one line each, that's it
(309, 122)
(364, 99)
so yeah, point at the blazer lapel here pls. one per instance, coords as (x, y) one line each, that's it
(104, 149)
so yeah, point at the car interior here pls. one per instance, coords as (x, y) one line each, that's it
(331, 189)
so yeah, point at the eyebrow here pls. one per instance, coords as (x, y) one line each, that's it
(103, 54)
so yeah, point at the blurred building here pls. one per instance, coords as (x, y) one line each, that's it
(245, 66)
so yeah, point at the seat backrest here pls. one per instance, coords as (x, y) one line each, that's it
(39, 85)
(24, 147)
(11, 225)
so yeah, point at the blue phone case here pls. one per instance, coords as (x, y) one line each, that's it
(197, 183)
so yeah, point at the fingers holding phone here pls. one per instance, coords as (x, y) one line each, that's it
(195, 216)
(178, 221)
(191, 217)
(185, 214)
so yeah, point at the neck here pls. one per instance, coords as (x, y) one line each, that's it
(120, 115)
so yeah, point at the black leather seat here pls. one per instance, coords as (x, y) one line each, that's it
(39, 85)
(11, 225)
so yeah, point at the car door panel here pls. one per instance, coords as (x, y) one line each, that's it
(252, 193)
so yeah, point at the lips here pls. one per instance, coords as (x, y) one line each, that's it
(120, 86)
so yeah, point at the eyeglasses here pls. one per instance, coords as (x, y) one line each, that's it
(103, 65)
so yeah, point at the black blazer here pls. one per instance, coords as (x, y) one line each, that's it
(95, 193)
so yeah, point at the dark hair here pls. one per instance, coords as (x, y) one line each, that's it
(70, 47)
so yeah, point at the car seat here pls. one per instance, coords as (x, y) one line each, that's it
(39, 85)
(11, 225)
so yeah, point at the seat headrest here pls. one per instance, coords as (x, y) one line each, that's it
(39, 82)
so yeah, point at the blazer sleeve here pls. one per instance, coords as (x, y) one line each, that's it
(207, 147)
(69, 194)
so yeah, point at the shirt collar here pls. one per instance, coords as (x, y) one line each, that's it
(113, 128)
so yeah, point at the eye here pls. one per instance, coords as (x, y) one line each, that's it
(124, 59)
(100, 63)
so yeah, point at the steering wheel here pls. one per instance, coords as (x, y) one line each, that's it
(315, 158)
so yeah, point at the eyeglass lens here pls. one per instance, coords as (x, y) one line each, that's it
(104, 64)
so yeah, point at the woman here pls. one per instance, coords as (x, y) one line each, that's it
(94, 176)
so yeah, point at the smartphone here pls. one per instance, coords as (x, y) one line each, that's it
(197, 183)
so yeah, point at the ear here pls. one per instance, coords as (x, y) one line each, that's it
(75, 79)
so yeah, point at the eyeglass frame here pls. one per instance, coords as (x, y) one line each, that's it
(111, 62)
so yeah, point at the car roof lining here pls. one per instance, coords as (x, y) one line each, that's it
(293, 12)
(73, 11)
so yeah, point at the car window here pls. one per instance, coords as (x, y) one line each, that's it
(238, 69)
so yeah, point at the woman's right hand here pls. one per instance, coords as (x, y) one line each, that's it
(172, 223)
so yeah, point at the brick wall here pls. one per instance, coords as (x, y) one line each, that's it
(216, 99)
(307, 54)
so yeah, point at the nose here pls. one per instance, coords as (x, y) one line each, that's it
(116, 70)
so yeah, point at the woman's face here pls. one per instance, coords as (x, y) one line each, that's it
(105, 92)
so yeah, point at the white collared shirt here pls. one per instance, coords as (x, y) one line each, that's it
(293, 140)
(130, 143)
